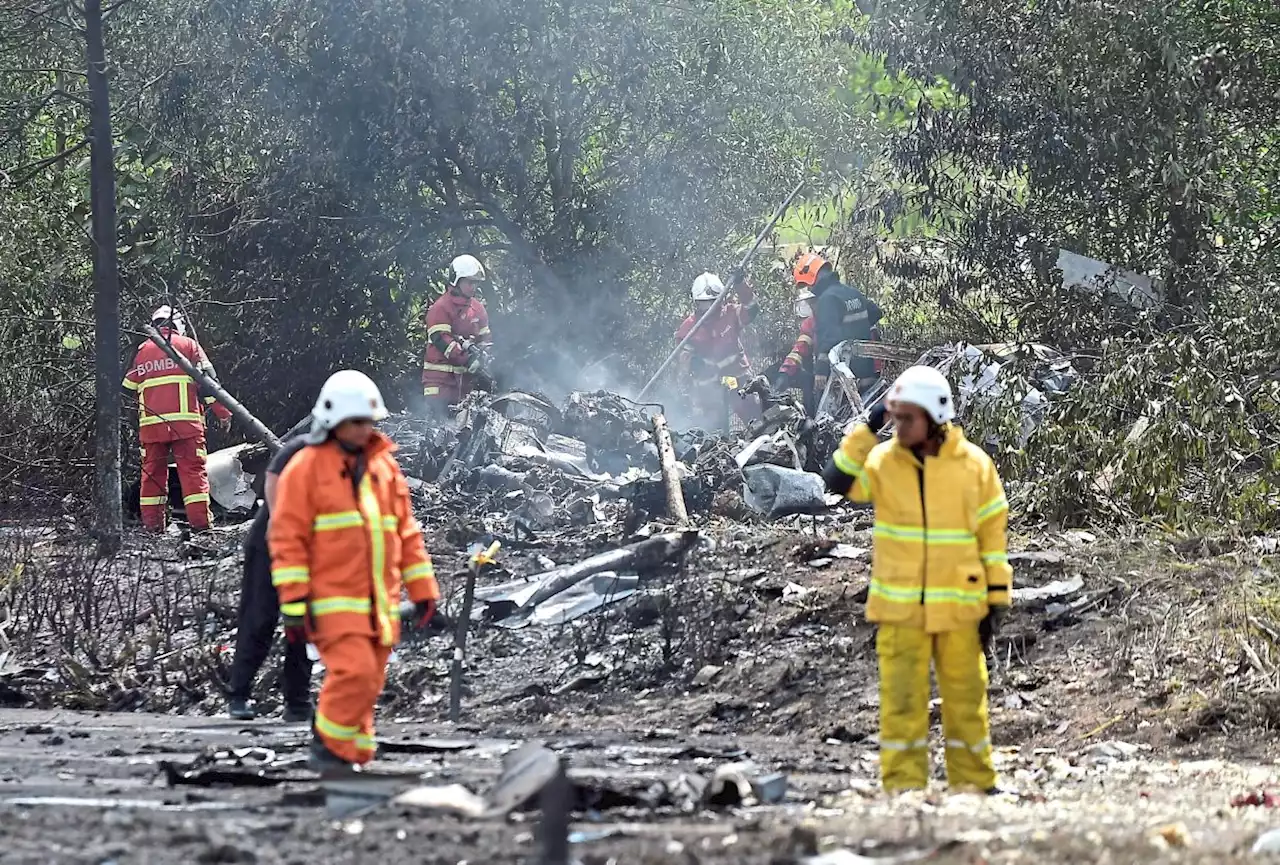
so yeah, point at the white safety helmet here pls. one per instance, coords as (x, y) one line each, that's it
(347, 395)
(467, 267)
(926, 387)
(803, 307)
(707, 287)
(175, 319)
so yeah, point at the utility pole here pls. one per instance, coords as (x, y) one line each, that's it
(106, 289)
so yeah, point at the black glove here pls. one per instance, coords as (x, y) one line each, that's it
(422, 612)
(780, 381)
(989, 627)
(876, 419)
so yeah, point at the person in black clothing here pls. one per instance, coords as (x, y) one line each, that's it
(260, 612)
(840, 312)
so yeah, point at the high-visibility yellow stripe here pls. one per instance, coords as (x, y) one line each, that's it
(903, 745)
(377, 559)
(911, 594)
(210, 400)
(334, 730)
(337, 520)
(795, 358)
(390, 522)
(420, 571)
(1000, 558)
(130, 385)
(439, 328)
(484, 331)
(296, 609)
(194, 498)
(327, 606)
(202, 453)
(165, 379)
(444, 367)
(431, 391)
(292, 574)
(805, 338)
(151, 419)
(915, 534)
(365, 743)
(997, 505)
(153, 500)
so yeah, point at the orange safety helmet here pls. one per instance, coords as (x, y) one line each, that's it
(807, 267)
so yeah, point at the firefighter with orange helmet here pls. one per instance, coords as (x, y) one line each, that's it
(840, 312)
(714, 358)
(343, 542)
(171, 419)
(458, 338)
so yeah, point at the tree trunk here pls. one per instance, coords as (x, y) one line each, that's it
(106, 288)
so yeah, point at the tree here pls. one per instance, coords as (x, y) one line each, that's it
(106, 287)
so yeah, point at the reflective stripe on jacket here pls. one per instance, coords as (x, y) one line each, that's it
(802, 350)
(449, 321)
(169, 404)
(940, 530)
(340, 551)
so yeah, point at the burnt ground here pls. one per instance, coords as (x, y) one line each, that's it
(1128, 711)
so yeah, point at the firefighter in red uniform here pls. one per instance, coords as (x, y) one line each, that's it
(714, 358)
(171, 418)
(796, 370)
(458, 339)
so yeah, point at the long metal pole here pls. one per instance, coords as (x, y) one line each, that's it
(715, 304)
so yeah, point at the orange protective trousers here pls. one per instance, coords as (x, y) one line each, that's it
(355, 671)
(153, 494)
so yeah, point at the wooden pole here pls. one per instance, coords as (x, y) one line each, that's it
(211, 386)
(478, 561)
(670, 477)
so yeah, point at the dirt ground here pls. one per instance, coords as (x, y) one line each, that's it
(1127, 714)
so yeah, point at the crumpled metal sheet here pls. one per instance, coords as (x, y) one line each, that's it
(229, 484)
(586, 597)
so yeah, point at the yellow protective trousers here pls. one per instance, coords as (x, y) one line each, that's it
(904, 654)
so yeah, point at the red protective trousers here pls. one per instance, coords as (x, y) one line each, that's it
(189, 454)
(355, 671)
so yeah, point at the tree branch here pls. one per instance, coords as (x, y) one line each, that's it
(33, 169)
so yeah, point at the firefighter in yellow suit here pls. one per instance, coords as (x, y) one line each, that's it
(940, 576)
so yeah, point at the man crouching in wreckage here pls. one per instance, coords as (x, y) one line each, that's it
(940, 578)
(343, 537)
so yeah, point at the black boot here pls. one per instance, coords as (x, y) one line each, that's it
(297, 713)
(239, 709)
(325, 762)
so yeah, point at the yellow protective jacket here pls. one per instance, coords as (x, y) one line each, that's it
(941, 552)
(340, 552)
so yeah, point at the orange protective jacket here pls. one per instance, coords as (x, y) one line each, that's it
(339, 553)
(169, 404)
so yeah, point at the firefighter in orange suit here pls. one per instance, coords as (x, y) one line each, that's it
(171, 418)
(343, 540)
(458, 339)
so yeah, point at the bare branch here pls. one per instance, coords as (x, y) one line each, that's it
(32, 169)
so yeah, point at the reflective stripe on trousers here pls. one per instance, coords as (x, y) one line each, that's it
(904, 656)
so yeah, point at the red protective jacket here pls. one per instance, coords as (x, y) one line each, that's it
(169, 405)
(801, 351)
(450, 320)
(716, 348)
